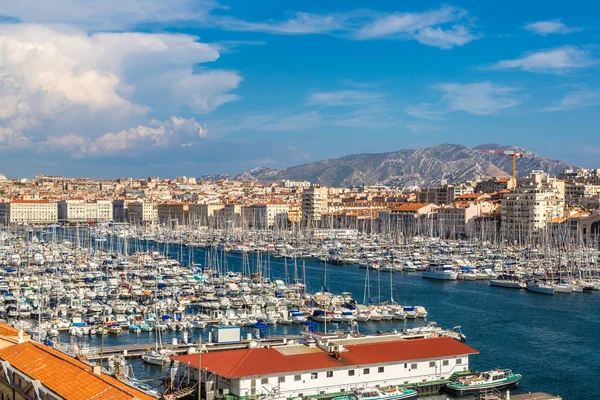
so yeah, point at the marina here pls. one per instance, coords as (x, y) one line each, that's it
(378, 287)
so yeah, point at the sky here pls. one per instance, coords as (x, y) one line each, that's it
(107, 88)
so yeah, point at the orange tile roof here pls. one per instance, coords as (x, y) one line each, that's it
(411, 206)
(66, 376)
(20, 201)
(268, 361)
(7, 330)
(469, 196)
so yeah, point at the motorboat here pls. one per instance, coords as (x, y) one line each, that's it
(381, 393)
(497, 379)
(441, 272)
(507, 281)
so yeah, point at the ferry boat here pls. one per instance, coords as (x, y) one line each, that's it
(441, 271)
(390, 393)
(496, 379)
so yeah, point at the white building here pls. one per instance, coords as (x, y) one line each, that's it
(532, 205)
(314, 203)
(29, 212)
(332, 365)
(268, 215)
(79, 210)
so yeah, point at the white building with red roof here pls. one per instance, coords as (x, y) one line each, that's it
(331, 365)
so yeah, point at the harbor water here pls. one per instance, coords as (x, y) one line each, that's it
(551, 340)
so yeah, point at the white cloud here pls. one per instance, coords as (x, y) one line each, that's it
(445, 38)
(343, 98)
(96, 15)
(577, 99)
(158, 134)
(64, 76)
(481, 98)
(301, 23)
(553, 26)
(554, 60)
(445, 27)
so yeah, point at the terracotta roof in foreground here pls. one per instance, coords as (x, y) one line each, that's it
(268, 361)
(66, 376)
(7, 330)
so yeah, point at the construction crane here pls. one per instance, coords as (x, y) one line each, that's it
(514, 155)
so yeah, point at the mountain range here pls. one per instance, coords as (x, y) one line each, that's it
(422, 167)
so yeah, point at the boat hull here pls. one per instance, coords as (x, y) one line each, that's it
(461, 390)
(444, 276)
(507, 284)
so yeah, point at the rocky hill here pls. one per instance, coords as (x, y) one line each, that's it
(424, 166)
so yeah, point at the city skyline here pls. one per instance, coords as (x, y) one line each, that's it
(106, 89)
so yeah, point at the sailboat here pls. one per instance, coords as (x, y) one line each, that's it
(158, 355)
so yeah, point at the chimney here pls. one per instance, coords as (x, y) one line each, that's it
(97, 370)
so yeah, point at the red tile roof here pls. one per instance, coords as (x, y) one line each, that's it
(411, 206)
(66, 376)
(268, 361)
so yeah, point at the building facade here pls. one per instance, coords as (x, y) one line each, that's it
(29, 212)
(532, 205)
(331, 366)
(314, 203)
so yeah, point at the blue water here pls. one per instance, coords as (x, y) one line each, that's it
(551, 340)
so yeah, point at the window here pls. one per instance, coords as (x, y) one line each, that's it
(413, 366)
(314, 375)
(431, 364)
(264, 381)
(351, 372)
(405, 365)
(281, 379)
(380, 369)
(297, 378)
(458, 361)
(445, 362)
(330, 374)
(366, 371)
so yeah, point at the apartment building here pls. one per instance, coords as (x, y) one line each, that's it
(445, 194)
(458, 219)
(314, 203)
(532, 205)
(80, 210)
(407, 217)
(269, 215)
(29, 212)
(142, 212)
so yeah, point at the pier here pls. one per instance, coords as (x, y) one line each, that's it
(136, 350)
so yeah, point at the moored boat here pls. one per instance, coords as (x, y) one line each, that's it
(538, 287)
(508, 281)
(441, 272)
(390, 393)
(496, 379)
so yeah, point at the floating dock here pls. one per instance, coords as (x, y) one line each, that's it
(535, 396)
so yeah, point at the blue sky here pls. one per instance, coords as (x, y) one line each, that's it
(109, 88)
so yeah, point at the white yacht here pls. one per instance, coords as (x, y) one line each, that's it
(441, 271)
